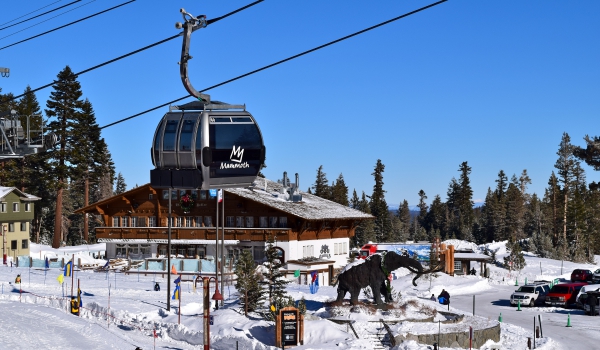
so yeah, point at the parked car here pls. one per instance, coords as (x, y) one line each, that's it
(597, 275)
(586, 306)
(581, 275)
(564, 294)
(582, 295)
(530, 294)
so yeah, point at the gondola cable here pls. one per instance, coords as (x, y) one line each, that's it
(279, 62)
(130, 54)
(41, 14)
(27, 14)
(68, 24)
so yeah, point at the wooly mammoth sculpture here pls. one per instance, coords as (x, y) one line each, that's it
(371, 273)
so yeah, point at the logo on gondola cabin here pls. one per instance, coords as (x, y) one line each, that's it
(236, 157)
(236, 154)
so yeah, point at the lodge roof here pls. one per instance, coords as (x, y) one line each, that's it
(268, 193)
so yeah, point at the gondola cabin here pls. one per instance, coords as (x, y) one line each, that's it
(206, 146)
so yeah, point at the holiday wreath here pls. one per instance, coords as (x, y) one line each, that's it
(186, 202)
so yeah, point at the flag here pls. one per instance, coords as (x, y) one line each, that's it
(220, 196)
(314, 285)
(60, 278)
(79, 297)
(155, 336)
(173, 270)
(68, 268)
(47, 264)
(176, 293)
(178, 280)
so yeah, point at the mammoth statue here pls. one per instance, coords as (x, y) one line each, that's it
(371, 273)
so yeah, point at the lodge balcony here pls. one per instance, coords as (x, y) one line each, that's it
(193, 233)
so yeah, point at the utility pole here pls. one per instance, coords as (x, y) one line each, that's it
(4, 72)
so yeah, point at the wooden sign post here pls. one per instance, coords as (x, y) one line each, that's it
(289, 327)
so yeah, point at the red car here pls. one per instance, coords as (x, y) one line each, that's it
(581, 275)
(564, 294)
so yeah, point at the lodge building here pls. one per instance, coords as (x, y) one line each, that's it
(135, 223)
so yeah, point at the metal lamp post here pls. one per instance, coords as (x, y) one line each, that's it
(216, 297)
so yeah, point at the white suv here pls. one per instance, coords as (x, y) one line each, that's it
(530, 294)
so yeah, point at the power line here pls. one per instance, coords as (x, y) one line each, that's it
(46, 20)
(280, 62)
(41, 14)
(132, 52)
(29, 13)
(66, 25)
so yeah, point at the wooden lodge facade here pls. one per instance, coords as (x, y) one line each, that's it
(135, 223)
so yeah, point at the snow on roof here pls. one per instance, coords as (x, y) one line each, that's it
(4, 191)
(471, 256)
(310, 208)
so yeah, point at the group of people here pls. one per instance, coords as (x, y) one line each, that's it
(443, 298)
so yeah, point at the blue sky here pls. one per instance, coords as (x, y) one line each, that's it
(493, 83)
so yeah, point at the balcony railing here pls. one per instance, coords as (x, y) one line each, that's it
(193, 233)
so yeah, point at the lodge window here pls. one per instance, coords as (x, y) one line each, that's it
(345, 247)
(457, 266)
(202, 194)
(27, 207)
(179, 221)
(134, 221)
(15, 207)
(116, 221)
(308, 251)
(150, 196)
(181, 193)
(121, 250)
(194, 194)
(165, 194)
(188, 221)
(208, 221)
(263, 222)
(162, 250)
(3, 207)
(230, 221)
(259, 254)
(198, 221)
(125, 221)
(11, 228)
(13, 244)
(151, 221)
(239, 221)
(336, 249)
(24, 243)
(145, 249)
(141, 221)
(282, 221)
(249, 221)
(133, 249)
(23, 226)
(201, 252)
(273, 221)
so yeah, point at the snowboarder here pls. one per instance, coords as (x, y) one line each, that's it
(18, 279)
(432, 297)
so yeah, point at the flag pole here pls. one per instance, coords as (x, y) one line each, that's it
(71, 270)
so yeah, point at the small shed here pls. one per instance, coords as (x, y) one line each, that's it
(465, 261)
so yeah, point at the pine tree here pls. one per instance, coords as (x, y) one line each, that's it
(435, 218)
(515, 260)
(515, 212)
(252, 295)
(321, 187)
(339, 191)
(121, 186)
(354, 202)
(423, 208)
(465, 200)
(379, 207)
(274, 276)
(64, 105)
(565, 164)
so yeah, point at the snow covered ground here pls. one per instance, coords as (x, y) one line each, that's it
(34, 314)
